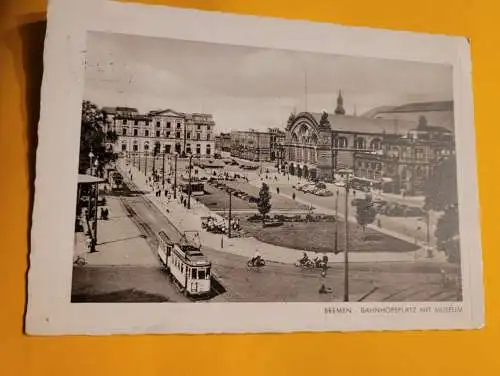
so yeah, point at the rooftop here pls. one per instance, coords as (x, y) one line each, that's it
(348, 123)
(441, 106)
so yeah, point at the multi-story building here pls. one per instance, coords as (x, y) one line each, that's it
(405, 163)
(168, 131)
(277, 142)
(223, 142)
(251, 145)
(318, 145)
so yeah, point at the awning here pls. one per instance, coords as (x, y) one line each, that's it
(89, 179)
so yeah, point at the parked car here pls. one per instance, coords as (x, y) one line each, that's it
(324, 192)
(308, 188)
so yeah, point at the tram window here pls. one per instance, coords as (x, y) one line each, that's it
(182, 268)
(201, 274)
(208, 273)
(193, 273)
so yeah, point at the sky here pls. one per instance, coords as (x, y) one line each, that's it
(247, 87)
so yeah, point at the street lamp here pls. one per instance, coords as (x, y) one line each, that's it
(91, 156)
(230, 191)
(346, 244)
(96, 164)
(175, 175)
(190, 187)
(163, 171)
(336, 221)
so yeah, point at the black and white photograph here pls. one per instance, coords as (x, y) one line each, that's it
(234, 174)
(214, 172)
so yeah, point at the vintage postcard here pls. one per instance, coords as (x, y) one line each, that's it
(200, 172)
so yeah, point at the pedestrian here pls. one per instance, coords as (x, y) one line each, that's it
(293, 195)
(278, 190)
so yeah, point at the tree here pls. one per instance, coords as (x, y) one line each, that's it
(447, 234)
(365, 212)
(441, 187)
(264, 203)
(92, 138)
(441, 195)
(111, 136)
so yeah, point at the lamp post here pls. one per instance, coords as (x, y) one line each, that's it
(346, 245)
(230, 191)
(91, 156)
(163, 171)
(146, 163)
(94, 235)
(139, 157)
(154, 161)
(190, 187)
(96, 164)
(336, 222)
(175, 175)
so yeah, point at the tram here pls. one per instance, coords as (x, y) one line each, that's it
(186, 265)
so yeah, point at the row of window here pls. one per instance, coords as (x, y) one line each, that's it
(196, 273)
(168, 148)
(135, 132)
(370, 165)
(158, 124)
(359, 143)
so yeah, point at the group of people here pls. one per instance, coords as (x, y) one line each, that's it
(321, 262)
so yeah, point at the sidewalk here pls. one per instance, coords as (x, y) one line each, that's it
(185, 219)
(119, 241)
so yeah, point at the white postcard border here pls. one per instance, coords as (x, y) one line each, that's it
(50, 311)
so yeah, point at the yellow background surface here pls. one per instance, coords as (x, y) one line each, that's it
(411, 353)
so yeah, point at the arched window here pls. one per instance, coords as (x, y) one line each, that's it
(341, 142)
(146, 146)
(359, 143)
(376, 144)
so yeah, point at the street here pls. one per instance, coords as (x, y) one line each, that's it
(276, 282)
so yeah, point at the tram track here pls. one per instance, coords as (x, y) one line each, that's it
(150, 234)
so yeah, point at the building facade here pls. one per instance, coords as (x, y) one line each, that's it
(318, 145)
(223, 142)
(251, 145)
(277, 142)
(405, 163)
(167, 131)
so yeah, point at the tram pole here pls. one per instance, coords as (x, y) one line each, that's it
(163, 171)
(175, 175)
(190, 187)
(230, 208)
(346, 245)
(336, 222)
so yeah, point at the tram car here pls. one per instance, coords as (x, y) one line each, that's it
(186, 265)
